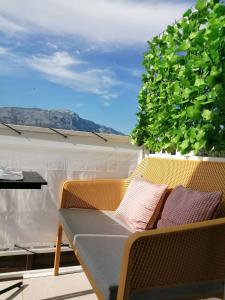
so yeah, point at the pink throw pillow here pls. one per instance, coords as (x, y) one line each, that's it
(139, 204)
(185, 206)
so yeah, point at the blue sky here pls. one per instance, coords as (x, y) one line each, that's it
(79, 55)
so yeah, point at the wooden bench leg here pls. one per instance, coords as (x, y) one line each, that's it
(58, 251)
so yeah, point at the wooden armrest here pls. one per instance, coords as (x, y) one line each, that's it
(175, 256)
(103, 194)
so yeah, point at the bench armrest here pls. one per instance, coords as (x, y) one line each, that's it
(172, 257)
(102, 194)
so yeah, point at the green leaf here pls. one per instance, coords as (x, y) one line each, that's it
(185, 45)
(177, 89)
(219, 10)
(213, 34)
(184, 145)
(192, 132)
(211, 80)
(170, 29)
(205, 57)
(158, 78)
(200, 135)
(187, 13)
(199, 82)
(207, 114)
(193, 112)
(201, 98)
(212, 3)
(193, 35)
(198, 146)
(186, 93)
(201, 4)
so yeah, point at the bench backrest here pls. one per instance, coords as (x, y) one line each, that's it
(200, 175)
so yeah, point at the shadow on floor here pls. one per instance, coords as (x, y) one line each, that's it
(17, 292)
(71, 272)
(71, 295)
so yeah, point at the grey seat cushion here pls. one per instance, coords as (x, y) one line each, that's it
(103, 255)
(78, 221)
(99, 239)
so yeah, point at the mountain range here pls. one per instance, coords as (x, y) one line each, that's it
(59, 119)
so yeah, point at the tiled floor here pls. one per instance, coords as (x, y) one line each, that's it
(49, 287)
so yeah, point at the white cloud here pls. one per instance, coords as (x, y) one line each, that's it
(137, 72)
(3, 50)
(52, 45)
(61, 67)
(78, 105)
(8, 26)
(104, 21)
(108, 98)
(9, 63)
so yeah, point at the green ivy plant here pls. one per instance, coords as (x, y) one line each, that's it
(182, 99)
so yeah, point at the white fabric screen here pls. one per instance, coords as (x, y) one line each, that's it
(29, 217)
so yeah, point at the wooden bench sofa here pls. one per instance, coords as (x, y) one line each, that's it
(182, 262)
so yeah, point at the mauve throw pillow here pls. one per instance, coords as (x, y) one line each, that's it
(184, 206)
(139, 203)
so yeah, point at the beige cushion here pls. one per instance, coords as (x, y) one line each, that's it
(138, 207)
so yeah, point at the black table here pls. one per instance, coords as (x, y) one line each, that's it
(31, 180)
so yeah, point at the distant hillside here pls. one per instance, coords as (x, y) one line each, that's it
(61, 119)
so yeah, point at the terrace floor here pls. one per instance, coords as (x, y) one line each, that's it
(42, 285)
